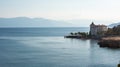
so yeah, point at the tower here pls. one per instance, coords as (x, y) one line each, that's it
(92, 29)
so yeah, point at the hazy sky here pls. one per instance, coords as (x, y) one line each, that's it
(62, 9)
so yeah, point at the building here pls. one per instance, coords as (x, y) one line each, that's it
(97, 30)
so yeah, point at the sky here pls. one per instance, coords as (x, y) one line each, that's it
(103, 10)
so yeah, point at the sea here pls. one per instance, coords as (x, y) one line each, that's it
(47, 47)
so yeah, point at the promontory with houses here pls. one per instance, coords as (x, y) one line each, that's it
(107, 37)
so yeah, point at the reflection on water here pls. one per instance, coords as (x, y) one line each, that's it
(55, 52)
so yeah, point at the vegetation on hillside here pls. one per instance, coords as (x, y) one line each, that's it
(82, 34)
(113, 31)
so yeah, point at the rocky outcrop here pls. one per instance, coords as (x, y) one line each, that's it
(118, 65)
(111, 42)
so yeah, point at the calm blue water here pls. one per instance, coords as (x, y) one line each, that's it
(40, 31)
(46, 47)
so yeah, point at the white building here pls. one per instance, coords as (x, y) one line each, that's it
(97, 30)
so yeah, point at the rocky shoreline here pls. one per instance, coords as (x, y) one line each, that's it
(111, 42)
(119, 65)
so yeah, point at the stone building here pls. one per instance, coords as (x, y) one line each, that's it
(97, 30)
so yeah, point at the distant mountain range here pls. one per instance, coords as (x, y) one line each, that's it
(32, 22)
(42, 22)
(113, 24)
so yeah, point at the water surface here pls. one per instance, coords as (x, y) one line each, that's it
(23, 48)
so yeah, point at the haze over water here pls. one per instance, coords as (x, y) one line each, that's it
(47, 47)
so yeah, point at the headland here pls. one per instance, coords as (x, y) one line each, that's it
(107, 37)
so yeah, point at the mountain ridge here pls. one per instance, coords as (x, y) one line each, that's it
(32, 22)
(114, 24)
(43, 22)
